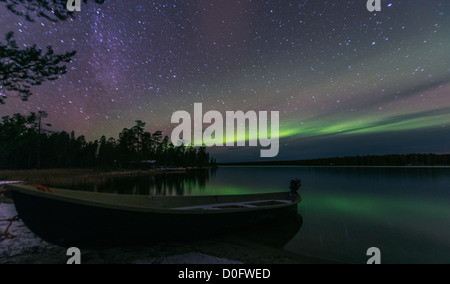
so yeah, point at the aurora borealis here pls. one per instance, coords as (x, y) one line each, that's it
(345, 81)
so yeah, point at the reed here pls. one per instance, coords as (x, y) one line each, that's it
(67, 178)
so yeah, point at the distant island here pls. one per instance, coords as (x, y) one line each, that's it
(404, 160)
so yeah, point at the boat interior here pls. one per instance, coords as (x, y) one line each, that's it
(236, 205)
(218, 202)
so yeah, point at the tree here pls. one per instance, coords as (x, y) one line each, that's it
(202, 157)
(107, 155)
(126, 147)
(138, 133)
(18, 136)
(41, 115)
(20, 69)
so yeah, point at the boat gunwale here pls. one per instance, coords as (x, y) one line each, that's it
(31, 190)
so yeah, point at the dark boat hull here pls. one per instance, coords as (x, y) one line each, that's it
(70, 224)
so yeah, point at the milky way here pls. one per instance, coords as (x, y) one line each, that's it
(345, 81)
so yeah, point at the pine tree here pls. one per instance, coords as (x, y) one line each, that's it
(21, 69)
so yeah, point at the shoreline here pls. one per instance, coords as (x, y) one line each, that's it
(68, 178)
(334, 167)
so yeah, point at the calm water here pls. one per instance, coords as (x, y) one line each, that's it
(403, 211)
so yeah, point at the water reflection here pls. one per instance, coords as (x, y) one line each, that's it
(402, 211)
(168, 184)
(277, 233)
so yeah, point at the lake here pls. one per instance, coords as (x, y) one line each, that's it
(405, 212)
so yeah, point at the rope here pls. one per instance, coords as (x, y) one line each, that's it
(38, 186)
(7, 235)
(42, 188)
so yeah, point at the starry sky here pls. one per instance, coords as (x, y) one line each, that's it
(345, 81)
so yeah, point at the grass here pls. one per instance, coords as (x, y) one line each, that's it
(68, 177)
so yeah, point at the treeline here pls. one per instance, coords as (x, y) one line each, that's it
(25, 144)
(367, 161)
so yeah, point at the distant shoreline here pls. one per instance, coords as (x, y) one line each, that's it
(395, 160)
(334, 167)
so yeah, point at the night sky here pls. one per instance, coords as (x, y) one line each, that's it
(345, 81)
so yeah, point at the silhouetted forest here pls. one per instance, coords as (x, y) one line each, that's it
(26, 144)
(374, 161)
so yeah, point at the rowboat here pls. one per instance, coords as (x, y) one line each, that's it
(90, 219)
